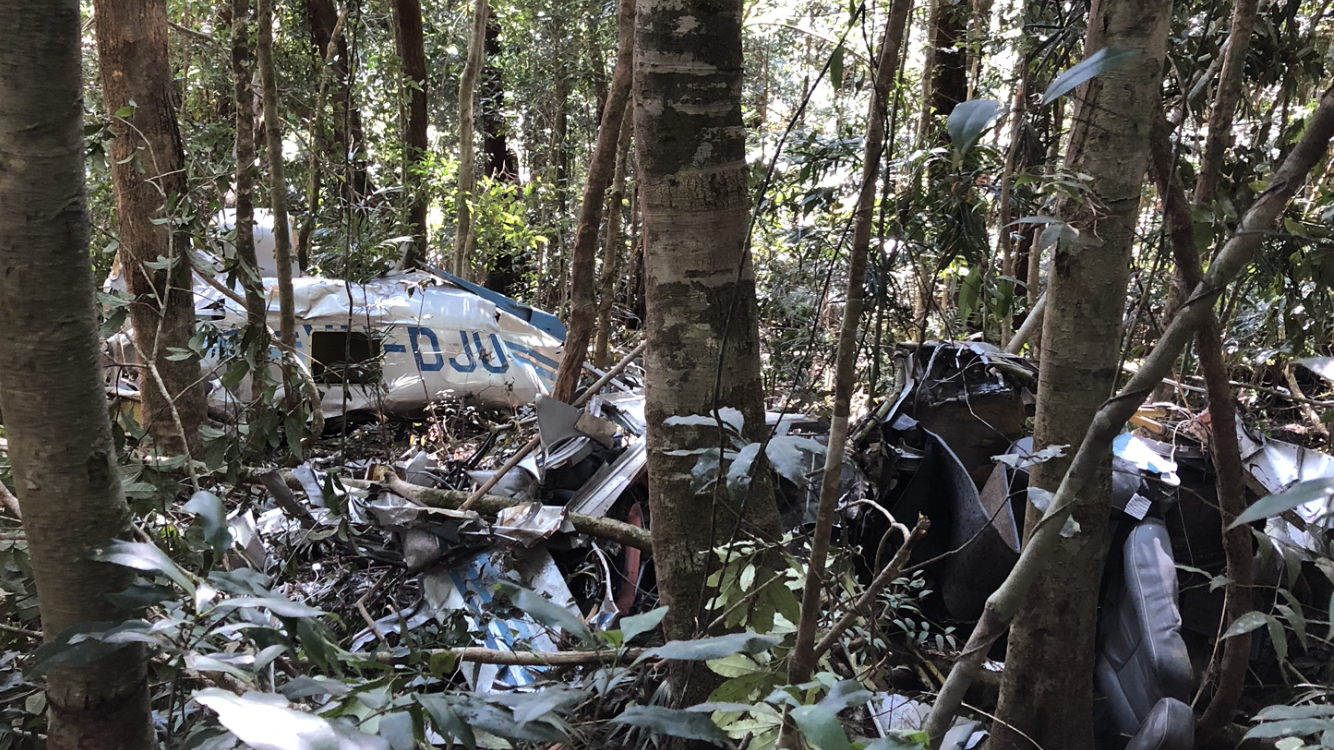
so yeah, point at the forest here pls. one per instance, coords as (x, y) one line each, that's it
(746, 374)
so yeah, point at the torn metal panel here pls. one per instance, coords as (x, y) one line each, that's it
(600, 492)
(470, 588)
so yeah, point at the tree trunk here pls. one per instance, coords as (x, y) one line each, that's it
(148, 172)
(1226, 97)
(319, 140)
(412, 51)
(612, 244)
(1226, 453)
(467, 165)
(1047, 692)
(255, 303)
(945, 75)
(501, 162)
(583, 304)
(64, 463)
(802, 660)
(703, 340)
(505, 271)
(347, 130)
(273, 136)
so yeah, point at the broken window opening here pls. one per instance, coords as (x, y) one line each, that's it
(345, 357)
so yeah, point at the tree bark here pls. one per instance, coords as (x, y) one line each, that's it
(64, 463)
(1180, 226)
(1226, 97)
(319, 139)
(148, 173)
(613, 242)
(255, 303)
(702, 328)
(945, 77)
(583, 303)
(347, 129)
(467, 165)
(412, 51)
(1003, 605)
(1047, 689)
(802, 660)
(505, 271)
(273, 136)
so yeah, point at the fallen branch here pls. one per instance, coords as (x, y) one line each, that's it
(1004, 604)
(603, 528)
(887, 576)
(478, 655)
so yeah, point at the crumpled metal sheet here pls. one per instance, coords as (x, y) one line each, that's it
(470, 589)
(1274, 466)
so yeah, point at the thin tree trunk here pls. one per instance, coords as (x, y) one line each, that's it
(702, 328)
(412, 51)
(64, 463)
(346, 118)
(319, 139)
(1226, 97)
(613, 242)
(802, 659)
(148, 172)
(505, 271)
(1047, 688)
(467, 165)
(1037, 557)
(556, 293)
(273, 136)
(1180, 227)
(583, 286)
(255, 303)
(945, 77)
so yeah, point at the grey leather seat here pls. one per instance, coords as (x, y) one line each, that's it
(1143, 668)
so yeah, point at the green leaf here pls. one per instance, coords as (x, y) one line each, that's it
(1246, 623)
(970, 292)
(266, 722)
(396, 729)
(786, 453)
(1105, 59)
(446, 721)
(676, 723)
(900, 739)
(1322, 366)
(704, 649)
(211, 517)
(144, 557)
(845, 694)
(1289, 728)
(836, 67)
(1277, 713)
(1298, 494)
(634, 625)
(1040, 498)
(278, 605)
(546, 611)
(821, 727)
(969, 120)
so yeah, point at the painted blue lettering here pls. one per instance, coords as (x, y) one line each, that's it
(439, 364)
